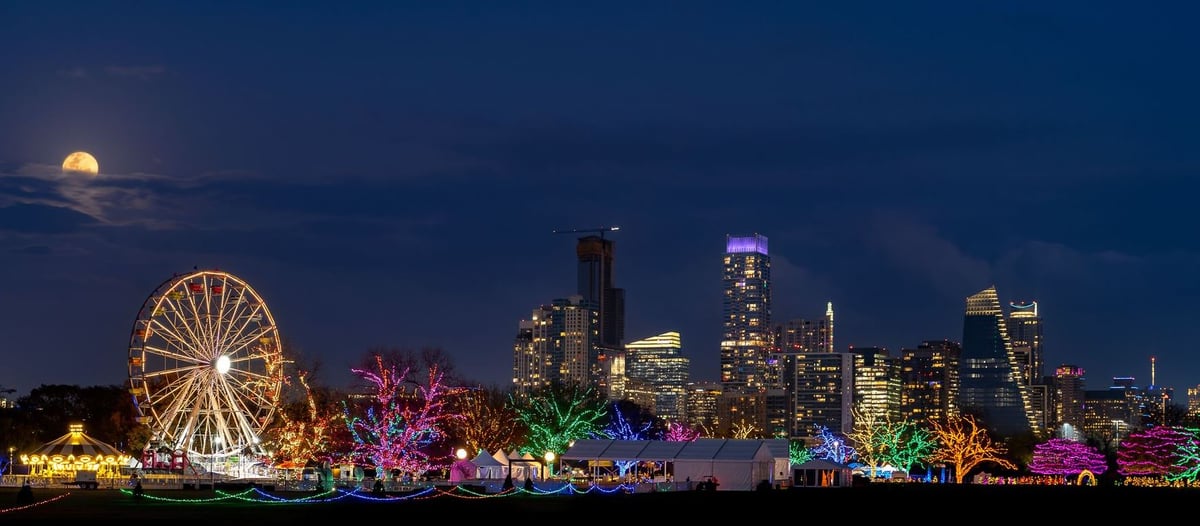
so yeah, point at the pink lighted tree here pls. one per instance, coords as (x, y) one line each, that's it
(1154, 452)
(680, 432)
(1059, 456)
(400, 428)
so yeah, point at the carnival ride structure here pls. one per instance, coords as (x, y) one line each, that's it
(205, 372)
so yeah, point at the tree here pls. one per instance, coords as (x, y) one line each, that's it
(743, 429)
(304, 428)
(798, 452)
(106, 412)
(832, 447)
(964, 444)
(620, 429)
(1060, 456)
(401, 428)
(1189, 459)
(1152, 452)
(867, 435)
(558, 414)
(680, 432)
(907, 445)
(487, 421)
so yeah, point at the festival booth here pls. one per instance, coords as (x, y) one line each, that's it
(75, 452)
(819, 473)
(733, 464)
(487, 467)
(524, 466)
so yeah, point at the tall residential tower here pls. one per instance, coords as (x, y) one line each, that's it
(746, 312)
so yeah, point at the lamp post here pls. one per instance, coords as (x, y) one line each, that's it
(10, 459)
(461, 455)
(549, 461)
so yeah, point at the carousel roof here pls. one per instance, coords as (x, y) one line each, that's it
(76, 443)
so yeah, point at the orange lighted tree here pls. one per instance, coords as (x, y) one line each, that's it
(304, 437)
(964, 444)
(487, 421)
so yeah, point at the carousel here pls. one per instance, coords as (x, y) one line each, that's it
(75, 452)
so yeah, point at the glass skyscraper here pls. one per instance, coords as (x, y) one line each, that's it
(988, 373)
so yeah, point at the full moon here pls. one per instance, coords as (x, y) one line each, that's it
(81, 162)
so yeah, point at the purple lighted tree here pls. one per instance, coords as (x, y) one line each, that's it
(680, 432)
(1153, 452)
(1059, 456)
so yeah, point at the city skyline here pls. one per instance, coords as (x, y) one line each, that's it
(390, 176)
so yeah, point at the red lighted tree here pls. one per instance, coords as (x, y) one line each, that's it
(400, 428)
(964, 444)
(1154, 452)
(1060, 456)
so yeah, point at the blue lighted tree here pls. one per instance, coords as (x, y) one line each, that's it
(619, 428)
(833, 447)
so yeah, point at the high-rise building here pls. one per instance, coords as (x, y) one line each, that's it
(746, 312)
(702, 413)
(1025, 335)
(929, 379)
(558, 344)
(803, 335)
(529, 365)
(596, 286)
(658, 362)
(1069, 386)
(747, 334)
(822, 393)
(795, 336)
(877, 384)
(988, 374)
(1108, 414)
(1193, 402)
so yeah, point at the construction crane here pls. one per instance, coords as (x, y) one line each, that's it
(600, 230)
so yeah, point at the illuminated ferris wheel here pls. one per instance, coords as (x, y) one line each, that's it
(205, 365)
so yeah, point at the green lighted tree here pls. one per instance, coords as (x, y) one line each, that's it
(907, 445)
(1188, 458)
(798, 452)
(556, 415)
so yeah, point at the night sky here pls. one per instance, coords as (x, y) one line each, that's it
(390, 175)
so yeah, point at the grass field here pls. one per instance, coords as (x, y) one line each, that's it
(995, 503)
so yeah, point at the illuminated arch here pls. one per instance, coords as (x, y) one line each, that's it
(1086, 475)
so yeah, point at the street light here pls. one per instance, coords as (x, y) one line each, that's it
(549, 461)
(10, 459)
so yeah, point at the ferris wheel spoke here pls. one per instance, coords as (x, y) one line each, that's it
(179, 414)
(243, 341)
(179, 316)
(254, 389)
(190, 360)
(158, 329)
